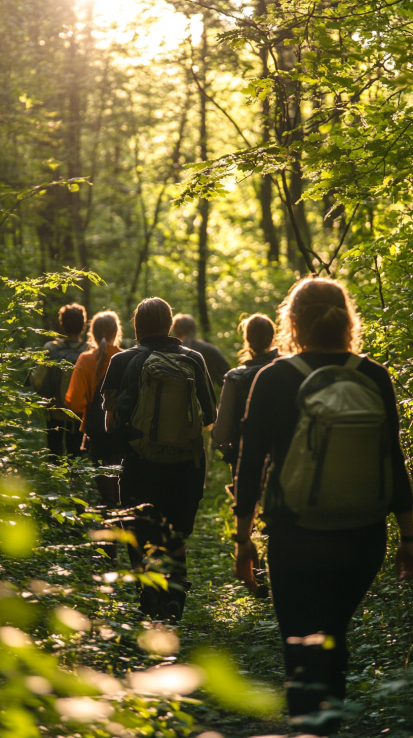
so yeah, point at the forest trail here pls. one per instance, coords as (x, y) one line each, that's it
(220, 612)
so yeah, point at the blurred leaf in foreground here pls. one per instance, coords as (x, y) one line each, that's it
(234, 691)
(18, 536)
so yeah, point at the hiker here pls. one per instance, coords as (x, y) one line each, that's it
(328, 418)
(158, 396)
(84, 398)
(258, 350)
(53, 382)
(184, 327)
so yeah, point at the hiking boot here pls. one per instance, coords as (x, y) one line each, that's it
(149, 601)
(172, 611)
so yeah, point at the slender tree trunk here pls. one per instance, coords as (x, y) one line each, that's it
(296, 190)
(203, 207)
(267, 225)
(181, 132)
(292, 117)
(265, 190)
(74, 165)
(203, 210)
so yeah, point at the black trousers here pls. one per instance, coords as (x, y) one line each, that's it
(58, 437)
(170, 495)
(318, 579)
(102, 449)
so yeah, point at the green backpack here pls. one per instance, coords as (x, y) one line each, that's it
(338, 470)
(167, 419)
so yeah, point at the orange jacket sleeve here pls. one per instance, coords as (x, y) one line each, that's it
(77, 394)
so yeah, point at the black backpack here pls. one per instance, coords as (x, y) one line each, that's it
(244, 377)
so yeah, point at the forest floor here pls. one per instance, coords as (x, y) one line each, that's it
(220, 613)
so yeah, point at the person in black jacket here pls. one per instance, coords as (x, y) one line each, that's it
(318, 577)
(172, 490)
(258, 350)
(184, 327)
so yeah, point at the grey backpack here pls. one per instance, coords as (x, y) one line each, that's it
(338, 471)
(52, 382)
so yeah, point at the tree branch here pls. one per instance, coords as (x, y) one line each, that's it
(343, 236)
(300, 243)
(217, 105)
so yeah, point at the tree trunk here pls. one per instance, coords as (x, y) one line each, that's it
(296, 189)
(291, 117)
(203, 210)
(265, 190)
(267, 225)
(74, 162)
(203, 207)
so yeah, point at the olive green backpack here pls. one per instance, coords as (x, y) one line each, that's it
(338, 472)
(167, 419)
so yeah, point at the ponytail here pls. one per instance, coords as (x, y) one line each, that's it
(101, 356)
(104, 327)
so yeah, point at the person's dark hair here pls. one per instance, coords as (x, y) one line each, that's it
(319, 313)
(72, 318)
(153, 317)
(259, 336)
(184, 325)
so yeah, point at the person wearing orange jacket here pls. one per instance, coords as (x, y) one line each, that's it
(84, 398)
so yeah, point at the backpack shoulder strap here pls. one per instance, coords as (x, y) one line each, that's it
(301, 365)
(141, 354)
(353, 361)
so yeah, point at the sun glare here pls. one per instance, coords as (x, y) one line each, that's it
(163, 31)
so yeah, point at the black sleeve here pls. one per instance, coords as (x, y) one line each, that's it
(221, 367)
(402, 492)
(204, 389)
(256, 443)
(114, 373)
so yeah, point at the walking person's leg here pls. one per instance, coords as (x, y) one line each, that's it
(320, 597)
(173, 491)
(107, 486)
(54, 435)
(73, 438)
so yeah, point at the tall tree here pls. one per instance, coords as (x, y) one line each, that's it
(266, 186)
(203, 207)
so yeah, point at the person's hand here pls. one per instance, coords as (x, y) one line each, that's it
(404, 562)
(246, 558)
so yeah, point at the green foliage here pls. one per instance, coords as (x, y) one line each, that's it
(232, 690)
(20, 307)
(329, 119)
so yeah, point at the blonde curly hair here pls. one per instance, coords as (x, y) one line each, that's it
(318, 314)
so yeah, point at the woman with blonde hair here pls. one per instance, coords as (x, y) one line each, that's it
(258, 350)
(321, 567)
(84, 398)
